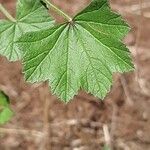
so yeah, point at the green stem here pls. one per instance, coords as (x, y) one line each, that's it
(60, 12)
(6, 13)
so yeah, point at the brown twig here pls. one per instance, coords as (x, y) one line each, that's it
(107, 135)
(126, 90)
(46, 126)
(113, 124)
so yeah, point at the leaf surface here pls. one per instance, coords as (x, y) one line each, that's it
(82, 54)
(30, 16)
(5, 111)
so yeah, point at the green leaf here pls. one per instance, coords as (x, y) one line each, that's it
(5, 111)
(3, 99)
(82, 54)
(30, 16)
(5, 115)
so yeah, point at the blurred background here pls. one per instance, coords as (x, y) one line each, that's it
(122, 121)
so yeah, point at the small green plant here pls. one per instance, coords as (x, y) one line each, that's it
(81, 53)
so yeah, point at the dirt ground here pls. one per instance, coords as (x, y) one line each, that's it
(42, 122)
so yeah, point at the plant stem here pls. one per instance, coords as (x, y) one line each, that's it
(60, 12)
(6, 13)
